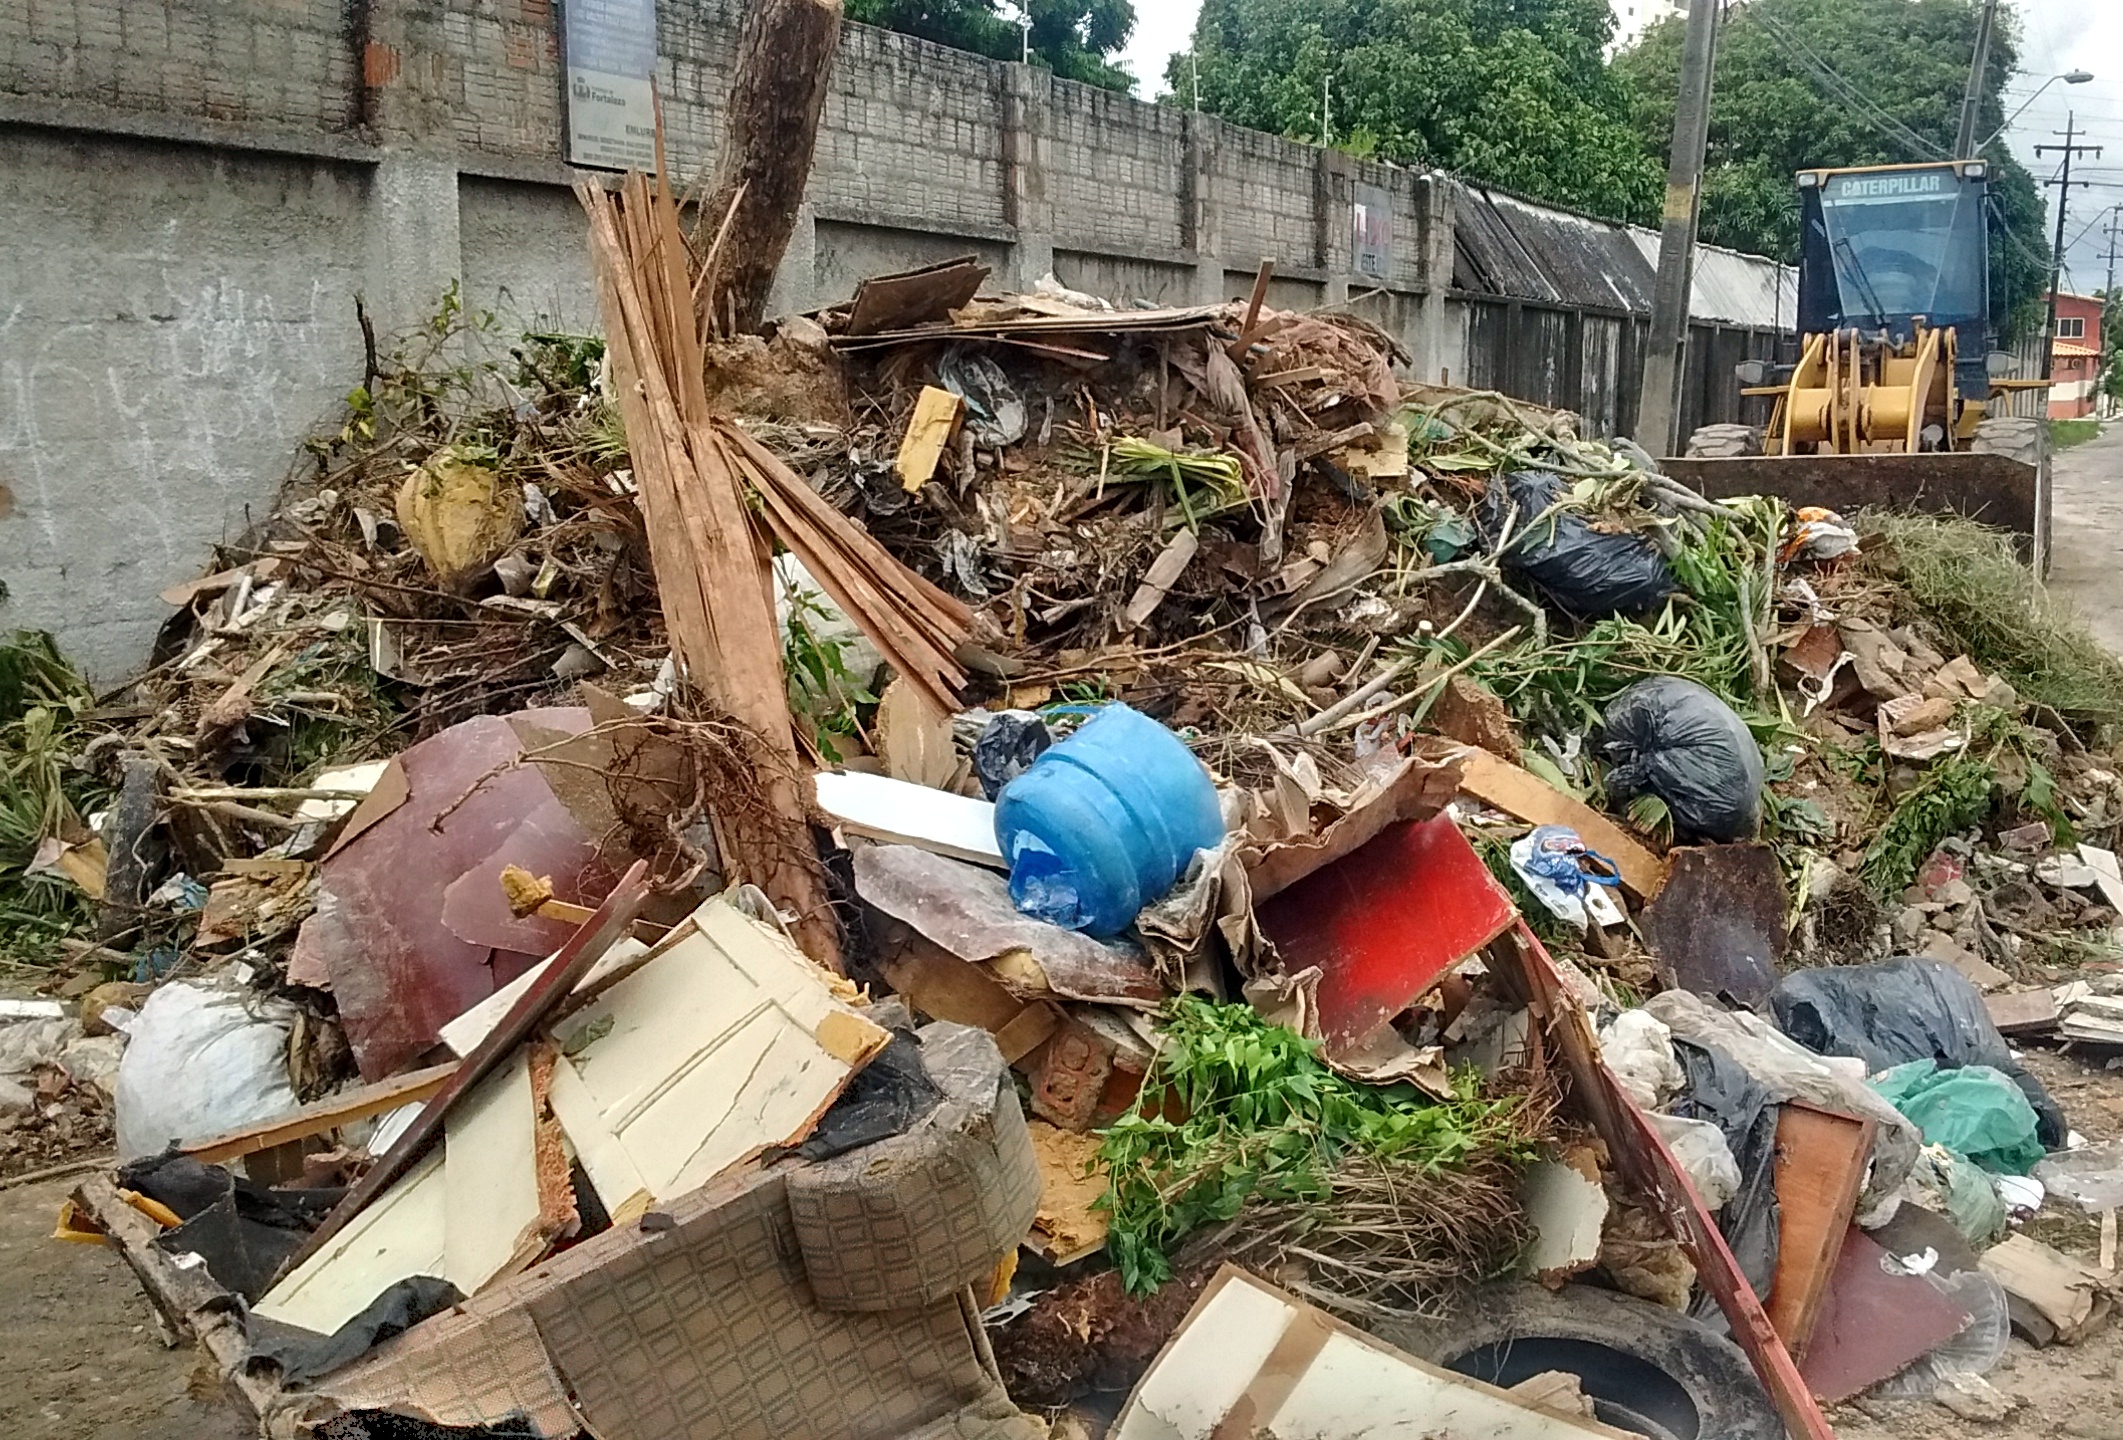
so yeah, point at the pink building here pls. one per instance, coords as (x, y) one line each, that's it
(2076, 372)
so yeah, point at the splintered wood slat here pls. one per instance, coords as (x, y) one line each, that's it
(942, 610)
(710, 565)
(324, 1115)
(915, 624)
(1820, 1167)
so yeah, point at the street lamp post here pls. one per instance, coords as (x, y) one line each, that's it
(2069, 77)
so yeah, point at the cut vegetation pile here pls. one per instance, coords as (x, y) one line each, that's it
(1966, 580)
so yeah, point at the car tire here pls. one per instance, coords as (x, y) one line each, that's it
(1648, 1370)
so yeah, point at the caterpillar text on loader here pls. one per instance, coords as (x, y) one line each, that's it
(1892, 401)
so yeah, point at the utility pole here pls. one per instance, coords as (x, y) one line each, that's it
(2115, 233)
(2070, 149)
(2108, 294)
(1658, 411)
(1326, 110)
(1964, 145)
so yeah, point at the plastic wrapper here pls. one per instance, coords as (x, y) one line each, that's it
(1638, 1048)
(1582, 570)
(1961, 1190)
(1719, 1091)
(1672, 738)
(1975, 1351)
(1567, 876)
(1972, 1110)
(1008, 745)
(1700, 1148)
(2091, 1178)
(1788, 1071)
(1901, 1010)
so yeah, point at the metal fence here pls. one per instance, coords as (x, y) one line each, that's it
(1591, 362)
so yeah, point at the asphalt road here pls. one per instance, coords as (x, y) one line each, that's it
(2086, 532)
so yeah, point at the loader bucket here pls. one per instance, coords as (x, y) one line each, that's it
(1993, 489)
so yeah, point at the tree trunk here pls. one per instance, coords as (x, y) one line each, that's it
(784, 59)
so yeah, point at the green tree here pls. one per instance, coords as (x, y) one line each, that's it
(1508, 92)
(1774, 112)
(1076, 39)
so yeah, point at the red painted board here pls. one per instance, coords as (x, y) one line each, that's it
(1384, 921)
(1873, 1325)
(1648, 1167)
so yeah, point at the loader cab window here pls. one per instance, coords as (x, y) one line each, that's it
(1885, 247)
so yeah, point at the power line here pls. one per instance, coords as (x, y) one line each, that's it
(1842, 89)
(2071, 149)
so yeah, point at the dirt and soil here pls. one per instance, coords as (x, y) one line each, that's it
(78, 1344)
(2086, 523)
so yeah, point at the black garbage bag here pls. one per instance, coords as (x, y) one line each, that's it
(1900, 1010)
(1720, 1091)
(304, 1355)
(1008, 745)
(887, 1096)
(1670, 737)
(243, 1230)
(1582, 570)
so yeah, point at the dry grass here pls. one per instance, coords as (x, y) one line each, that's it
(1966, 580)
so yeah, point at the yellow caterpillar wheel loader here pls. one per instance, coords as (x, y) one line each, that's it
(1893, 400)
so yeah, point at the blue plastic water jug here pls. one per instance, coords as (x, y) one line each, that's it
(1105, 822)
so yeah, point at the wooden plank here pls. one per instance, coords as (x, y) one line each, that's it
(323, 1116)
(937, 413)
(188, 1298)
(574, 960)
(1258, 298)
(916, 297)
(1820, 1167)
(490, 1180)
(1525, 796)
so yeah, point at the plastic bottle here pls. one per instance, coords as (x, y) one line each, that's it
(1105, 822)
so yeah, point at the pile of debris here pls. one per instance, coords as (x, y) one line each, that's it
(584, 842)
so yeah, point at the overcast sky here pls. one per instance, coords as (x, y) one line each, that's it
(2057, 35)
(1161, 27)
(2061, 35)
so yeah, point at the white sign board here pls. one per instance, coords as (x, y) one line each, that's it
(1373, 246)
(610, 48)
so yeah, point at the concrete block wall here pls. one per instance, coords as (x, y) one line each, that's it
(163, 350)
(198, 190)
(1114, 173)
(284, 64)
